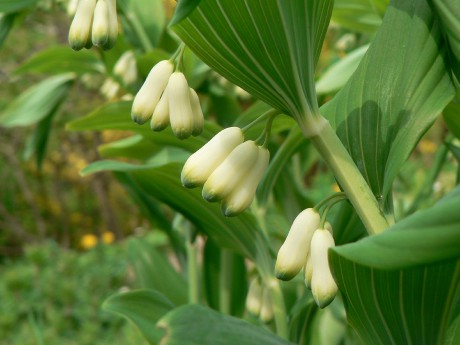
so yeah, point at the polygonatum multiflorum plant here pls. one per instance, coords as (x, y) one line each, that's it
(246, 106)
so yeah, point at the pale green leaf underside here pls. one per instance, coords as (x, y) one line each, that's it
(240, 234)
(144, 308)
(268, 47)
(196, 324)
(396, 93)
(400, 286)
(37, 102)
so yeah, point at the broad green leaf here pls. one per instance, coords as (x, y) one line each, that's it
(61, 59)
(405, 306)
(449, 15)
(135, 146)
(9, 6)
(451, 115)
(38, 141)
(336, 76)
(196, 324)
(183, 9)
(117, 116)
(240, 234)
(144, 308)
(6, 23)
(153, 271)
(400, 286)
(37, 102)
(393, 97)
(217, 275)
(357, 15)
(269, 48)
(427, 236)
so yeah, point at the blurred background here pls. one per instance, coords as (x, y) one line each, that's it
(67, 242)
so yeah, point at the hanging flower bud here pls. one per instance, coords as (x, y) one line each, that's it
(100, 28)
(148, 96)
(308, 272)
(266, 310)
(241, 198)
(160, 117)
(198, 118)
(113, 25)
(80, 29)
(254, 297)
(229, 174)
(292, 255)
(72, 7)
(180, 108)
(323, 286)
(203, 162)
(125, 68)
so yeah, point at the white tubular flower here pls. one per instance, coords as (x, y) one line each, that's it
(80, 29)
(241, 198)
(72, 7)
(198, 118)
(100, 28)
(254, 297)
(113, 25)
(180, 108)
(229, 174)
(203, 162)
(160, 118)
(292, 255)
(266, 310)
(323, 286)
(308, 272)
(125, 68)
(148, 96)
(110, 88)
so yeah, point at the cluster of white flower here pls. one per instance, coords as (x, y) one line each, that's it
(125, 72)
(165, 98)
(229, 168)
(95, 22)
(259, 301)
(306, 246)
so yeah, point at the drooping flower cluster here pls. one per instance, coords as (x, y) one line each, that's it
(229, 169)
(125, 73)
(165, 98)
(95, 22)
(259, 301)
(306, 247)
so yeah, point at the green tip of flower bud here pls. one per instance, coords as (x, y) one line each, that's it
(210, 196)
(182, 132)
(284, 272)
(140, 119)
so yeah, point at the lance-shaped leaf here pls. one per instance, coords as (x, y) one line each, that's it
(268, 47)
(196, 324)
(398, 90)
(449, 14)
(400, 287)
(240, 234)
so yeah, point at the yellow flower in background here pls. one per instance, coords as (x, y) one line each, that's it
(88, 241)
(108, 237)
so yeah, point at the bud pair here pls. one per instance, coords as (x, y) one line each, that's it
(306, 246)
(95, 22)
(125, 68)
(229, 168)
(166, 98)
(259, 301)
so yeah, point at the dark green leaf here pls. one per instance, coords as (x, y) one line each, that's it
(449, 15)
(183, 9)
(144, 308)
(393, 98)
(37, 102)
(9, 6)
(61, 59)
(153, 271)
(452, 116)
(6, 23)
(240, 234)
(150, 15)
(196, 324)
(269, 48)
